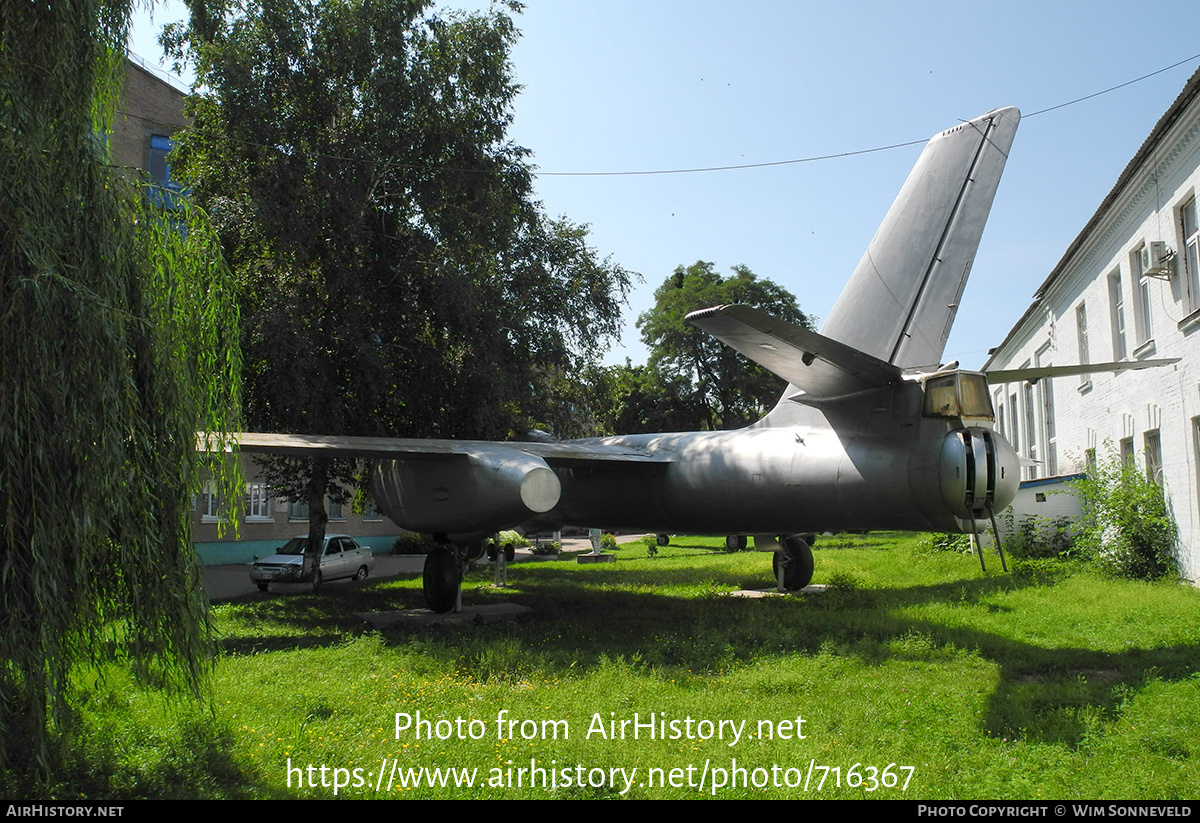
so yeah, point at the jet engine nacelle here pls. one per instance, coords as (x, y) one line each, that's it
(481, 492)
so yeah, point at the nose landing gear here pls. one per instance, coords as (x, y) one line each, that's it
(791, 559)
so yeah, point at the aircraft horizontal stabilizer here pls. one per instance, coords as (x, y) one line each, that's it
(822, 368)
(1036, 373)
(405, 448)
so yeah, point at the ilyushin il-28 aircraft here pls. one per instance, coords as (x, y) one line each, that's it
(873, 432)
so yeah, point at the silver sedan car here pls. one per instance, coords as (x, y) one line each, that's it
(343, 557)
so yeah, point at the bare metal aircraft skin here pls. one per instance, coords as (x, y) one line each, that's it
(872, 433)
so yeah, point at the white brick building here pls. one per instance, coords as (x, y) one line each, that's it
(1127, 288)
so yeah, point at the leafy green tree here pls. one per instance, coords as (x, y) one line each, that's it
(118, 343)
(729, 390)
(630, 399)
(1127, 527)
(397, 276)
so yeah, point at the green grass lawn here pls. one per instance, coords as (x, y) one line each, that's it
(915, 674)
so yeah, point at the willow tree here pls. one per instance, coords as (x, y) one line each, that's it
(117, 343)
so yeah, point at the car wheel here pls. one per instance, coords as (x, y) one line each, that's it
(361, 574)
(262, 587)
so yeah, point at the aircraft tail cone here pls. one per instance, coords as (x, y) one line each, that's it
(979, 471)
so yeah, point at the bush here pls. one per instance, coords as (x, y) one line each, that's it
(410, 543)
(551, 548)
(960, 543)
(1127, 527)
(517, 539)
(1040, 538)
(608, 542)
(650, 541)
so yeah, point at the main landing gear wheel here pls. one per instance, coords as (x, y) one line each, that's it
(797, 561)
(735, 543)
(474, 551)
(441, 579)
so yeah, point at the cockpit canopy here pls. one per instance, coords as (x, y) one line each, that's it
(959, 394)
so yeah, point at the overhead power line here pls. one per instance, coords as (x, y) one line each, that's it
(738, 167)
(815, 158)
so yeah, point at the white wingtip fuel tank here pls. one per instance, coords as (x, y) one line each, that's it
(465, 493)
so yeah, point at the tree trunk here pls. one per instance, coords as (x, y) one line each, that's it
(314, 492)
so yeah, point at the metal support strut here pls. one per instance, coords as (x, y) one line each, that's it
(996, 531)
(975, 539)
(499, 563)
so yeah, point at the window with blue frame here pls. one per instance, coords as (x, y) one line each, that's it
(163, 191)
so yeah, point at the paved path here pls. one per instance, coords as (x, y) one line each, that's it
(232, 582)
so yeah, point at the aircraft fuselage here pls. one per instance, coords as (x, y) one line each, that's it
(884, 459)
(875, 465)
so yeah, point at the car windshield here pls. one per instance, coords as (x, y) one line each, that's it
(296, 545)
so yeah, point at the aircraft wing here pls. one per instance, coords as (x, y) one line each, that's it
(1036, 373)
(407, 448)
(453, 487)
(822, 368)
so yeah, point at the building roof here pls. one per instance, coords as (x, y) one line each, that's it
(1191, 90)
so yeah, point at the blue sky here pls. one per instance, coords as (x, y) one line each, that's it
(621, 85)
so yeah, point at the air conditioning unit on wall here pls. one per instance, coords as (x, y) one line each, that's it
(1157, 260)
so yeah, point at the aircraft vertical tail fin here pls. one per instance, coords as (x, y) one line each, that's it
(902, 298)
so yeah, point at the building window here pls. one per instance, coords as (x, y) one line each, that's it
(1141, 296)
(1031, 428)
(160, 147)
(298, 510)
(1015, 440)
(164, 191)
(1089, 457)
(1081, 334)
(258, 502)
(1196, 447)
(1116, 301)
(1046, 387)
(1191, 260)
(1153, 447)
(210, 505)
(999, 402)
(336, 511)
(1127, 451)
